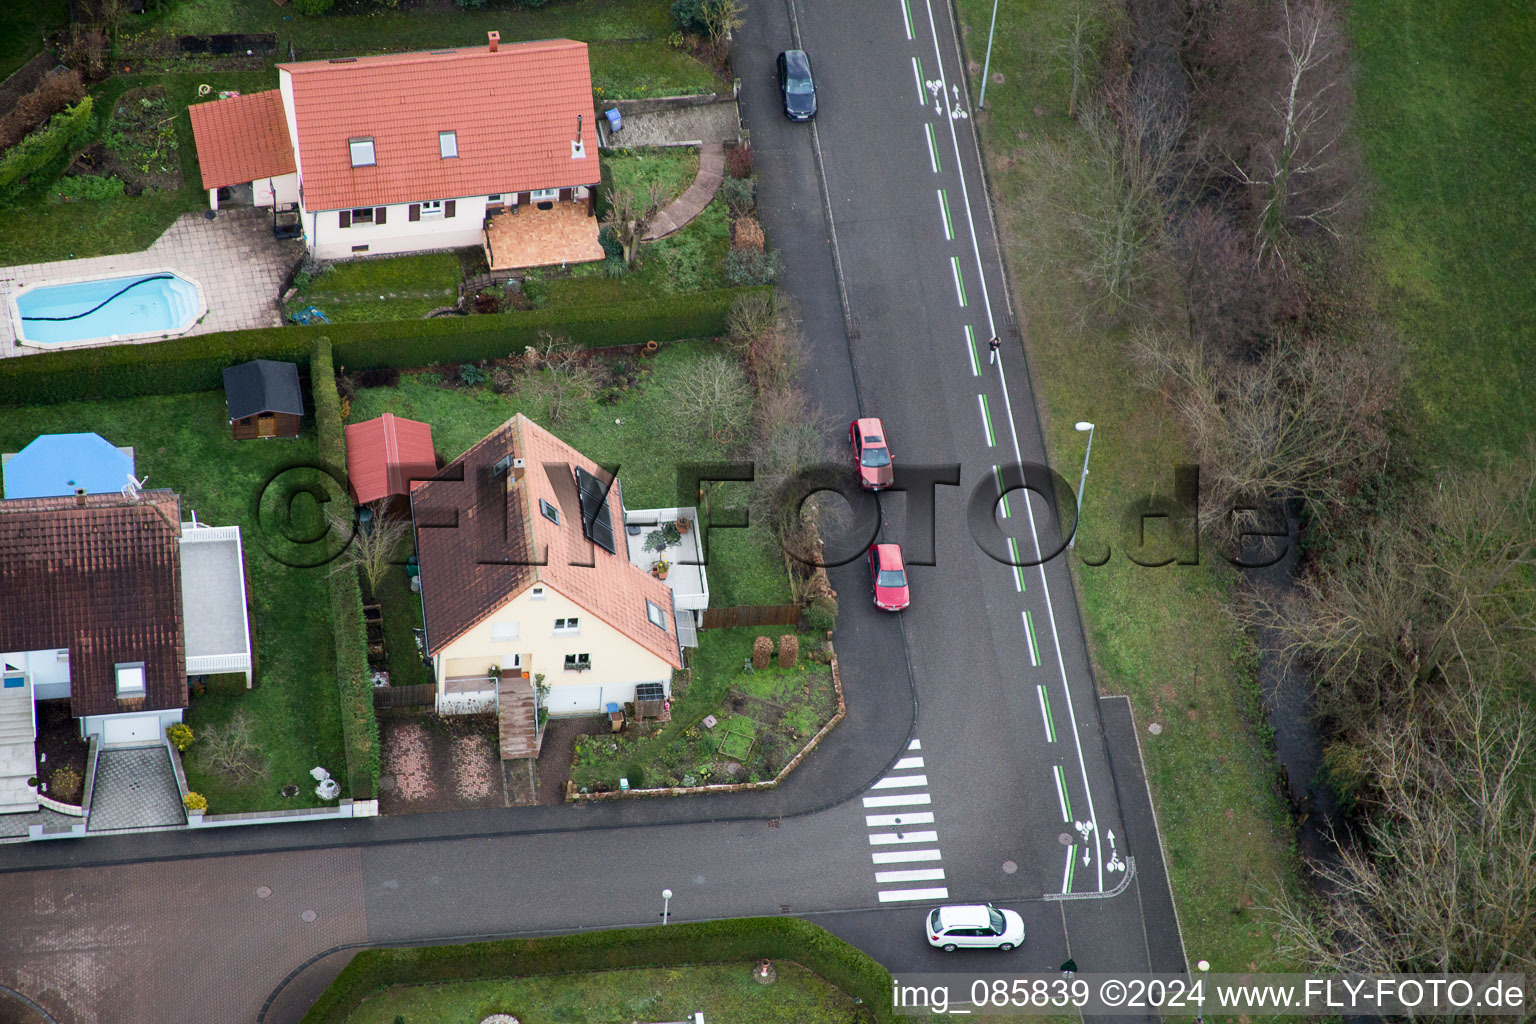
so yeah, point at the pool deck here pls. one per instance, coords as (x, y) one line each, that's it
(234, 257)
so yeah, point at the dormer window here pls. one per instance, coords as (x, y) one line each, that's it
(550, 512)
(448, 144)
(130, 679)
(362, 152)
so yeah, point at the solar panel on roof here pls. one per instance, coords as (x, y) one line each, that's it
(596, 520)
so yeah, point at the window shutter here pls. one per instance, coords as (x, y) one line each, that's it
(448, 207)
(346, 218)
(523, 198)
(565, 195)
(378, 214)
(414, 212)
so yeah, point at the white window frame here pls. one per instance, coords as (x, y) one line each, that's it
(506, 632)
(130, 667)
(655, 614)
(362, 215)
(537, 594)
(570, 626)
(448, 145)
(354, 150)
(550, 511)
(540, 195)
(431, 209)
(578, 662)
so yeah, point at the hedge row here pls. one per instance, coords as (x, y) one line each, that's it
(197, 363)
(707, 942)
(359, 724)
(42, 147)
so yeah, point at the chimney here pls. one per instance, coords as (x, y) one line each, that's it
(495, 38)
(80, 496)
(519, 467)
(578, 151)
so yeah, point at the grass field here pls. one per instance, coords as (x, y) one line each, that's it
(397, 288)
(723, 992)
(182, 442)
(22, 23)
(1444, 92)
(1161, 636)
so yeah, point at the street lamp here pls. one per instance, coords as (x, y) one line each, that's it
(1081, 483)
(981, 103)
(1202, 966)
(666, 898)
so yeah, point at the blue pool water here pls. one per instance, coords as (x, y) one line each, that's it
(155, 302)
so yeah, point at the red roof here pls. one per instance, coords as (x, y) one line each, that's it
(385, 455)
(514, 111)
(241, 139)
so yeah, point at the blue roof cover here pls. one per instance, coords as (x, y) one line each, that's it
(57, 464)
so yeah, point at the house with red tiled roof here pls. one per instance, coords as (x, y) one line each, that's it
(491, 146)
(526, 576)
(386, 456)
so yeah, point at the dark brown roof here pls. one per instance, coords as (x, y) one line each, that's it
(104, 581)
(474, 534)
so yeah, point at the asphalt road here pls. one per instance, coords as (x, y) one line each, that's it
(973, 715)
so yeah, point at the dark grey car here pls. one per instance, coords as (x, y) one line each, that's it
(796, 86)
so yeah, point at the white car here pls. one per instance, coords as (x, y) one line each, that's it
(977, 926)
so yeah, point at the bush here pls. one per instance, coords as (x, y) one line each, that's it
(738, 940)
(40, 149)
(195, 802)
(608, 238)
(747, 233)
(821, 615)
(313, 8)
(197, 363)
(387, 377)
(52, 95)
(745, 267)
(738, 160)
(752, 315)
(180, 735)
(689, 15)
(65, 784)
(739, 195)
(471, 375)
(359, 724)
(88, 186)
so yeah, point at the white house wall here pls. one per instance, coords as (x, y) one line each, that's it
(283, 187)
(330, 241)
(49, 675)
(96, 725)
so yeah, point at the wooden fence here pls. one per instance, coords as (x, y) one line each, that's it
(751, 615)
(419, 696)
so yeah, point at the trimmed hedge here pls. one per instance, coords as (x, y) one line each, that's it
(359, 724)
(41, 148)
(706, 942)
(197, 363)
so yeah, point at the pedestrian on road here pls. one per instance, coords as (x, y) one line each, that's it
(992, 347)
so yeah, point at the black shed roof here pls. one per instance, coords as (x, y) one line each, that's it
(262, 386)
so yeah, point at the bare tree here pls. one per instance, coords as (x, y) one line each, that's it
(712, 397)
(230, 750)
(1445, 880)
(562, 376)
(1075, 51)
(721, 18)
(631, 217)
(1300, 167)
(374, 547)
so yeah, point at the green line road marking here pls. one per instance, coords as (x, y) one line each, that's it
(906, 13)
(949, 227)
(933, 149)
(1034, 644)
(970, 347)
(986, 421)
(954, 266)
(1071, 867)
(1050, 723)
(1066, 797)
(1018, 570)
(997, 474)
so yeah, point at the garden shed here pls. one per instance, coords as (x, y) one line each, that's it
(385, 455)
(264, 399)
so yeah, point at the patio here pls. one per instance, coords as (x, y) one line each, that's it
(687, 578)
(213, 600)
(234, 257)
(531, 237)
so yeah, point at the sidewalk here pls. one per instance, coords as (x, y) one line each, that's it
(692, 202)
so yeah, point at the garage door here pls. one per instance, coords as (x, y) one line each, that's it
(578, 700)
(118, 731)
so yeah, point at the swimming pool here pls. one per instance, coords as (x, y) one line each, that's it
(102, 310)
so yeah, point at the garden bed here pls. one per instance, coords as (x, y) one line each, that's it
(733, 727)
(58, 739)
(140, 147)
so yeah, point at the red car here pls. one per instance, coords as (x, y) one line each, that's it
(889, 575)
(870, 453)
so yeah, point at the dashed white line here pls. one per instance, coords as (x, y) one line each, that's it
(912, 875)
(954, 266)
(915, 745)
(907, 762)
(1061, 797)
(901, 782)
(1045, 716)
(906, 856)
(891, 838)
(904, 818)
(918, 75)
(899, 800)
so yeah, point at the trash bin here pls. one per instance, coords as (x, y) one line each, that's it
(615, 122)
(615, 717)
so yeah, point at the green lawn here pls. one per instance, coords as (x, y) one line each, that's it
(637, 432)
(22, 24)
(723, 992)
(182, 442)
(1442, 90)
(397, 288)
(1162, 636)
(673, 169)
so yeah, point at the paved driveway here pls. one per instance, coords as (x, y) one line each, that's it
(234, 257)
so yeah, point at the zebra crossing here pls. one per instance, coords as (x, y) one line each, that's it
(901, 832)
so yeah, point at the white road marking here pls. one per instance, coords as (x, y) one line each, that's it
(915, 745)
(1066, 872)
(899, 800)
(1061, 665)
(933, 153)
(891, 838)
(906, 763)
(905, 818)
(970, 350)
(906, 856)
(912, 875)
(918, 74)
(1061, 796)
(954, 266)
(901, 782)
(899, 895)
(1045, 716)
